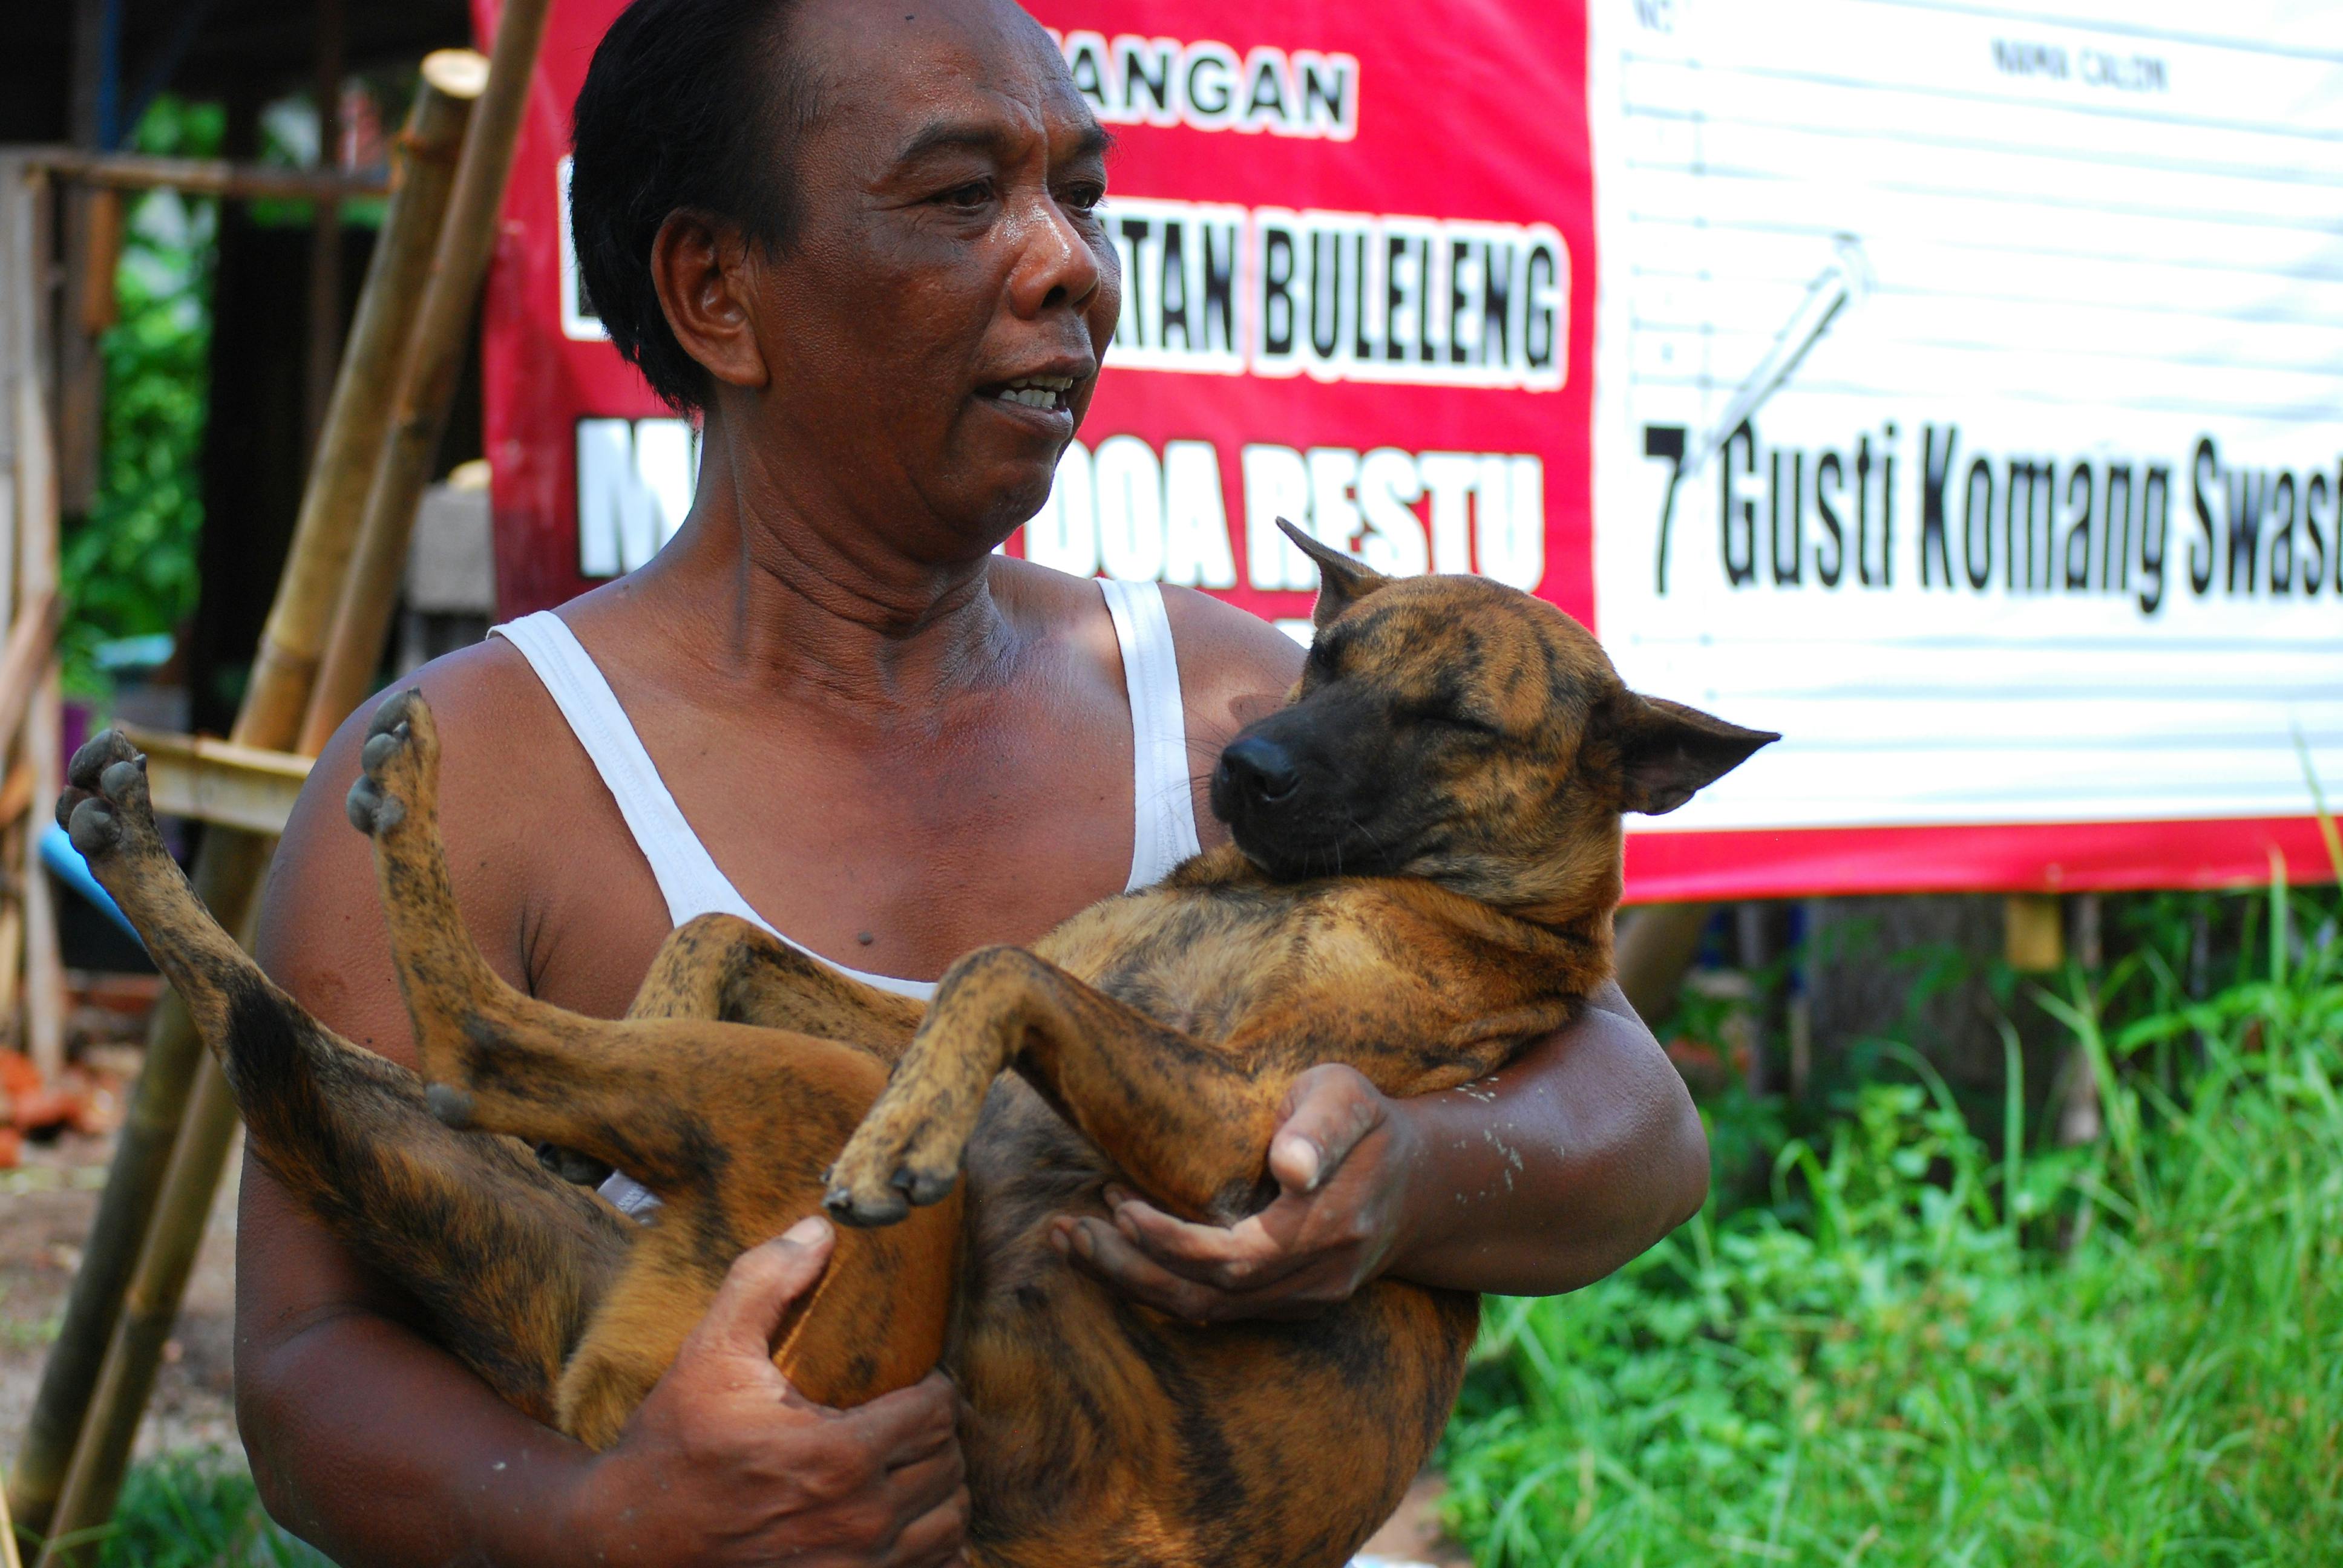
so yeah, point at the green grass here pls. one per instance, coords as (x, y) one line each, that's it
(1919, 1354)
(193, 1511)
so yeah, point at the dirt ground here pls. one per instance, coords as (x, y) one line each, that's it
(45, 1207)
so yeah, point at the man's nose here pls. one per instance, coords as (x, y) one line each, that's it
(1260, 770)
(1056, 263)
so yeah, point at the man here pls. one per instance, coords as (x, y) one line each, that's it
(862, 241)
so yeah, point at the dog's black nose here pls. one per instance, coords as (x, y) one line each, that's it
(1260, 770)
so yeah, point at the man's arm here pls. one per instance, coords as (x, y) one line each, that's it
(1545, 1176)
(370, 1440)
(1548, 1176)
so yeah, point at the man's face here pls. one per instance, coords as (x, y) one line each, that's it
(934, 335)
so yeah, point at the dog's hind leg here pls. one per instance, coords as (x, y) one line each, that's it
(498, 1059)
(1187, 1123)
(505, 1261)
(721, 967)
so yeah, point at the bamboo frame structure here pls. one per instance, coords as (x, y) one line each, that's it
(426, 389)
(229, 868)
(202, 176)
(105, 1419)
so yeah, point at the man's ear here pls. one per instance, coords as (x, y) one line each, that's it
(1668, 751)
(701, 267)
(1341, 581)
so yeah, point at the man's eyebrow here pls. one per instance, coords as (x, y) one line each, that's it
(952, 136)
(982, 137)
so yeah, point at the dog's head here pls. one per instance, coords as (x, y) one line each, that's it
(1452, 728)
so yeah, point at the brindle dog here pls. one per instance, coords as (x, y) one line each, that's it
(1425, 862)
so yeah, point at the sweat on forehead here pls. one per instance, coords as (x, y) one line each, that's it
(899, 56)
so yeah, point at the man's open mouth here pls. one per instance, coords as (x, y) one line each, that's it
(1047, 393)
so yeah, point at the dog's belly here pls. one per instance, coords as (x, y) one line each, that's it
(1100, 1432)
(1199, 960)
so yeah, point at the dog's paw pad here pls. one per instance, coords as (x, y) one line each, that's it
(925, 1187)
(383, 748)
(96, 755)
(94, 829)
(451, 1105)
(371, 810)
(125, 782)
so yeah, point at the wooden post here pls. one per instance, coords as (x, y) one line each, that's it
(2034, 933)
(228, 869)
(1656, 944)
(325, 537)
(325, 229)
(94, 1483)
(36, 571)
(426, 382)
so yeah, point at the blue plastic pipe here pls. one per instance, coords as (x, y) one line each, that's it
(58, 855)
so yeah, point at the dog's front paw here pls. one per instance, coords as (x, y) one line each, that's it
(395, 763)
(879, 1177)
(104, 807)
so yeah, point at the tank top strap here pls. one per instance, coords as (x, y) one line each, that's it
(688, 877)
(1163, 796)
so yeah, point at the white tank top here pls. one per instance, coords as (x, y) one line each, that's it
(1163, 802)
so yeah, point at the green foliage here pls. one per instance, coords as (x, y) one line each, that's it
(129, 568)
(193, 1511)
(1919, 1354)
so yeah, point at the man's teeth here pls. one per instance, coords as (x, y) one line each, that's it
(1037, 391)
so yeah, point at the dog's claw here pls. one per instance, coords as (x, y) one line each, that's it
(862, 1213)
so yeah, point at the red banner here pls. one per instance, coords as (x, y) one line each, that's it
(1360, 291)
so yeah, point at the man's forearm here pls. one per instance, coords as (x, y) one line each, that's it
(1556, 1171)
(409, 1461)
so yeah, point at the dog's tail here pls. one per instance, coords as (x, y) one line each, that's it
(506, 1259)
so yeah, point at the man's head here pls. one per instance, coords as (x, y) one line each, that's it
(1456, 729)
(859, 235)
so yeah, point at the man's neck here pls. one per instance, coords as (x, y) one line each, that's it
(796, 594)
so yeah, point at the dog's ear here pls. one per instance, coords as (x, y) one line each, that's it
(1667, 751)
(1341, 581)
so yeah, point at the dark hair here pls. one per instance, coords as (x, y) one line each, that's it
(689, 104)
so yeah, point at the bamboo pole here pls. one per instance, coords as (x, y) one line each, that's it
(324, 342)
(106, 1426)
(228, 870)
(204, 177)
(1656, 945)
(150, 1307)
(391, 314)
(426, 383)
(22, 663)
(36, 580)
(8, 1558)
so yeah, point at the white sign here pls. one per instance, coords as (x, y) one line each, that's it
(1969, 401)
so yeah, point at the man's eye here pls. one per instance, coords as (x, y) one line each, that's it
(974, 194)
(1084, 198)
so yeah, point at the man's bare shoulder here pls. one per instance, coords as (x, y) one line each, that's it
(1234, 667)
(508, 768)
(494, 718)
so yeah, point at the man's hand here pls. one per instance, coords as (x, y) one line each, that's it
(1342, 1161)
(725, 1462)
